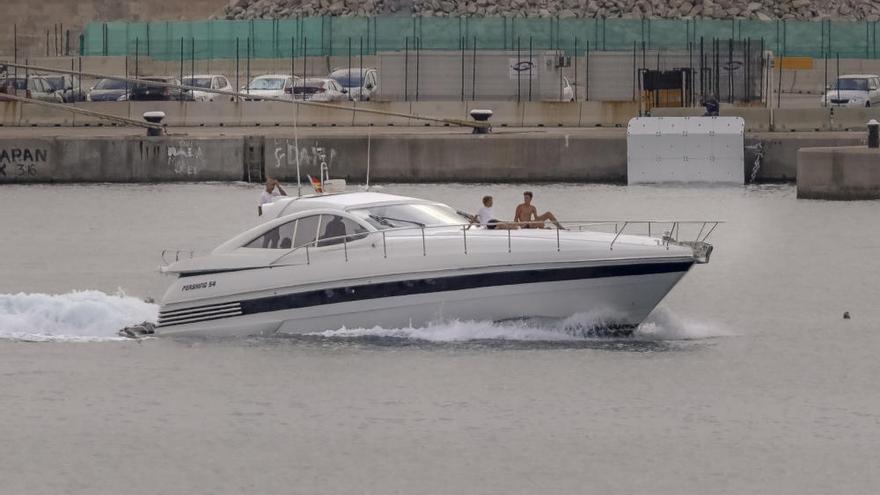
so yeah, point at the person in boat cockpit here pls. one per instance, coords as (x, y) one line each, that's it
(272, 192)
(486, 217)
(527, 215)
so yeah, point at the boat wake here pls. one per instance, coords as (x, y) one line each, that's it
(94, 316)
(661, 325)
(79, 316)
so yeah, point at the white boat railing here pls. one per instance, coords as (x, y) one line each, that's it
(671, 236)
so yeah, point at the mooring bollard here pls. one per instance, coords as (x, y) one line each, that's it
(154, 118)
(482, 116)
(873, 134)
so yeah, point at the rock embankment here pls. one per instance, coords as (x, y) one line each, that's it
(852, 10)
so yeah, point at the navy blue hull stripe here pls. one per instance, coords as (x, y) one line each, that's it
(445, 284)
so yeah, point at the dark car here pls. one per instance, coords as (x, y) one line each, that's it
(142, 92)
(109, 90)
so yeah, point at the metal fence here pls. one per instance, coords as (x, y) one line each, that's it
(329, 36)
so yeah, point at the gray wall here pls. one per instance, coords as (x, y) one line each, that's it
(120, 159)
(393, 157)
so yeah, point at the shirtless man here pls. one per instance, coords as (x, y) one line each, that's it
(527, 215)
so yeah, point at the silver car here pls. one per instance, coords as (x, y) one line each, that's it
(210, 81)
(36, 87)
(361, 84)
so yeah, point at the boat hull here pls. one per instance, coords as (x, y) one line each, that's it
(611, 296)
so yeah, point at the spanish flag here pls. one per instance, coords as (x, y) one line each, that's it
(316, 184)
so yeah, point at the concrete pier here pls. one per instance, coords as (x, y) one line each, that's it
(399, 154)
(839, 173)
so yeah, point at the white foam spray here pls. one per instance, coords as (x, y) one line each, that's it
(662, 324)
(76, 316)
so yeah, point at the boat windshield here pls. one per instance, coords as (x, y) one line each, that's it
(409, 215)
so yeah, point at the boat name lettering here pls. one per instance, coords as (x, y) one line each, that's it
(201, 285)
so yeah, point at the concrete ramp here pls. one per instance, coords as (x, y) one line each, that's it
(685, 149)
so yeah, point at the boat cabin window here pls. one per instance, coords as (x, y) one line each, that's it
(336, 230)
(306, 230)
(296, 233)
(409, 215)
(277, 238)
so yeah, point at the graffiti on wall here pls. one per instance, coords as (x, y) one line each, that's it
(21, 163)
(186, 158)
(311, 156)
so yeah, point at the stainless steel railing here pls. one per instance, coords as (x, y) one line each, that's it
(672, 236)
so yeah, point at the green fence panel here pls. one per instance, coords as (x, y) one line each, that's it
(671, 34)
(758, 30)
(536, 31)
(802, 38)
(348, 32)
(441, 33)
(849, 39)
(316, 36)
(491, 33)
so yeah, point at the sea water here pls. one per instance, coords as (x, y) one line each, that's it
(745, 379)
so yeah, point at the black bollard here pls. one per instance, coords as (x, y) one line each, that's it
(873, 134)
(154, 118)
(482, 116)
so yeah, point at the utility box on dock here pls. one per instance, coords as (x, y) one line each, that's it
(685, 149)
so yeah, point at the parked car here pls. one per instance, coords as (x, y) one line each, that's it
(361, 84)
(274, 85)
(210, 81)
(67, 86)
(35, 87)
(319, 89)
(109, 90)
(142, 92)
(853, 90)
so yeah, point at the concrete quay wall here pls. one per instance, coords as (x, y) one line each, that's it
(128, 159)
(838, 173)
(454, 158)
(444, 156)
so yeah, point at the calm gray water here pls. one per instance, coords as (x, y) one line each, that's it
(745, 380)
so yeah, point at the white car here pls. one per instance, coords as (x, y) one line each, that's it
(319, 89)
(274, 85)
(210, 81)
(853, 90)
(361, 84)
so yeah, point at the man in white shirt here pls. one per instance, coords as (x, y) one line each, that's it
(486, 217)
(272, 192)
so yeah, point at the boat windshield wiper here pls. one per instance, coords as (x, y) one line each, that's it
(386, 220)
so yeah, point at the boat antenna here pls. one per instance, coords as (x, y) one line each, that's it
(296, 146)
(369, 135)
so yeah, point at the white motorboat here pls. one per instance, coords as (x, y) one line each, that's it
(365, 259)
